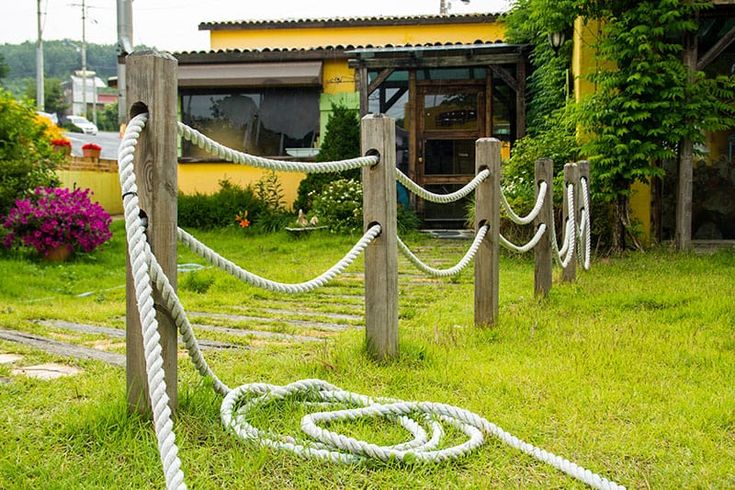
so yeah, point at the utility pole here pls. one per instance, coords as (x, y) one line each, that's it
(124, 48)
(84, 58)
(40, 97)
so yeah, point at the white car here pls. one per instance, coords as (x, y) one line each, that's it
(82, 123)
(51, 117)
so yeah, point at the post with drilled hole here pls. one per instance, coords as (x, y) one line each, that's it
(381, 256)
(571, 176)
(151, 83)
(487, 212)
(542, 278)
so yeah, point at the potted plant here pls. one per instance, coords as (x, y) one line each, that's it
(56, 222)
(62, 145)
(91, 150)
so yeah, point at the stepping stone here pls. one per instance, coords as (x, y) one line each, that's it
(4, 380)
(10, 358)
(335, 316)
(247, 318)
(256, 333)
(62, 348)
(46, 371)
(119, 333)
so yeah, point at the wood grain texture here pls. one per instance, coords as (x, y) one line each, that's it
(487, 211)
(381, 256)
(571, 176)
(542, 272)
(151, 80)
(683, 231)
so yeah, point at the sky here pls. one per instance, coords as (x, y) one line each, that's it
(172, 25)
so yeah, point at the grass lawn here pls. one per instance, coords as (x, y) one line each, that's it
(630, 372)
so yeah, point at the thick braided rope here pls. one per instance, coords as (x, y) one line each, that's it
(235, 156)
(562, 255)
(140, 264)
(524, 220)
(328, 445)
(456, 269)
(586, 227)
(442, 198)
(528, 246)
(303, 287)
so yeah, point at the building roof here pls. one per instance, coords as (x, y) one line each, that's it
(320, 52)
(350, 22)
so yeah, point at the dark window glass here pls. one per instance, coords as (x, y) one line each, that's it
(449, 157)
(391, 98)
(268, 122)
(451, 110)
(451, 74)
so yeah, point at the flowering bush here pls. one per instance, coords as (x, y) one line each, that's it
(52, 217)
(61, 142)
(339, 204)
(91, 146)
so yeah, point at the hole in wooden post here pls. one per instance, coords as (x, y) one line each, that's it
(138, 108)
(373, 223)
(373, 152)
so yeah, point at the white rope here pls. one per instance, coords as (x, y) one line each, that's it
(140, 264)
(456, 269)
(586, 226)
(235, 156)
(524, 220)
(528, 246)
(303, 287)
(442, 198)
(562, 255)
(239, 402)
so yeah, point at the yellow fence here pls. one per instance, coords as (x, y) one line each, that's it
(101, 177)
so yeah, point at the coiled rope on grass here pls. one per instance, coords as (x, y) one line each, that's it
(238, 402)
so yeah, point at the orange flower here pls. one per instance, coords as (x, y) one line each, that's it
(241, 219)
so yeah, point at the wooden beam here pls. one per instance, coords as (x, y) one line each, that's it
(683, 230)
(394, 98)
(364, 95)
(505, 76)
(382, 76)
(151, 80)
(716, 50)
(521, 99)
(437, 61)
(542, 277)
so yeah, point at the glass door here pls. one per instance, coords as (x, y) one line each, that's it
(450, 119)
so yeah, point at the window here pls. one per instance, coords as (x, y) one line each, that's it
(266, 122)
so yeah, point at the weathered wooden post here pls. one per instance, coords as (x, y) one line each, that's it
(151, 84)
(487, 212)
(542, 277)
(583, 167)
(381, 257)
(571, 176)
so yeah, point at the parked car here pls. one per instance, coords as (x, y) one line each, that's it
(82, 123)
(52, 117)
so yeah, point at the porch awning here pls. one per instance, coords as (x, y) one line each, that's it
(301, 73)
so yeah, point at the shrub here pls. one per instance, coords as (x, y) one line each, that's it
(53, 217)
(341, 141)
(218, 210)
(274, 216)
(27, 158)
(339, 205)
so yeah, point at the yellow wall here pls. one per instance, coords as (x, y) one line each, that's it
(640, 208)
(105, 187)
(360, 35)
(338, 78)
(205, 177)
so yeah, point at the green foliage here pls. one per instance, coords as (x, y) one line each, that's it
(339, 205)
(53, 95)
(27, 159)
(107, 118)
(218, 210)
(341, 141)
(269, 192)
(197, 282)
(4, 68)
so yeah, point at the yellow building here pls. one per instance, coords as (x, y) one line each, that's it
(267, 87)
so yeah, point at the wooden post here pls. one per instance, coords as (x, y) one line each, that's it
(487, 211)
(571, 176)
(583, 167)
(151, 84)
(381, 256)
(542, 278)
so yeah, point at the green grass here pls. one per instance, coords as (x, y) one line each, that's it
(630, 372)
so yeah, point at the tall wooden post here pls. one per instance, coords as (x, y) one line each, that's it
(151, 84)
(683, 233)
(571, 176)
(381, 256)
(542, 277)
(487, 211)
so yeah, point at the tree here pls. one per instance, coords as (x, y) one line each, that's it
(53, 95)
(4, 69)
(341, 141)
(27, 159)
